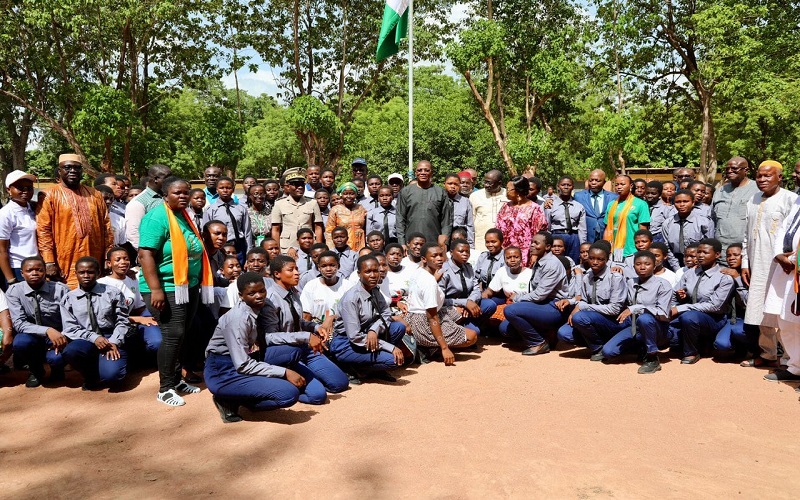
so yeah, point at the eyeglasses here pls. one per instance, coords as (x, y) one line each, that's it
(71, 166)
(734, 169)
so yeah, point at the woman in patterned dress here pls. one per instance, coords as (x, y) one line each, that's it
(520, 218)
(259, 212)
(349, 215)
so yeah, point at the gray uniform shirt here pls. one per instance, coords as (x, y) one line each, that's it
(729, 209)
(375, 220)
(347, 260)
(548, 281)
(485, 261)
(358, 316)
(654, 296)
(218, 211)
(454, 293)
(237, 333)
(712, 294)
(283, 320)
(23, 311)
(462, 216)
(109, 308)
(604, 293)
(695, 228)
(557, 220)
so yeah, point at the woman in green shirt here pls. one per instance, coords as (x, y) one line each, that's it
(157, 283)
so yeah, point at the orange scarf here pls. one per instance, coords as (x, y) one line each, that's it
(180, 261)
(618, 241)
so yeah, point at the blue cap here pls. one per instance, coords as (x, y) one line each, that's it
(359, 161)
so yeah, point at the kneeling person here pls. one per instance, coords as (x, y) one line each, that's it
(365, 336)
(462, 289)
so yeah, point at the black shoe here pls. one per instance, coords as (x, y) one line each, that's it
(598, 356)
(91, 385)
(33, 381)
(690, 360)
(4, 368)
(227, 411)
(354, 379)
(650, 366)
(535, 350)
(782, 376)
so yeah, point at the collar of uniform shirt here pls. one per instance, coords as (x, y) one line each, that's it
(93, 291)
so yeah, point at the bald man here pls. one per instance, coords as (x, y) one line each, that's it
(595, 200)
(729, 205)
(765, 214)
(486, 203)
(424, 208)
(683, 174)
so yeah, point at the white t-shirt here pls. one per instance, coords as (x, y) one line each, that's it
(511, 283)
(400, 280)
(424, 293)
(318, 298)
(409, 264)
(232, 298)
(669, 276)
(18, 227)
(129, 289)
(118, 228)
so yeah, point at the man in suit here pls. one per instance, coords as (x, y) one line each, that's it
(596, 201)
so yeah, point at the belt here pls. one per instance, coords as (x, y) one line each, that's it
(565, 232)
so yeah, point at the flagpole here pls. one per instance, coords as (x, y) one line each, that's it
(411, 89)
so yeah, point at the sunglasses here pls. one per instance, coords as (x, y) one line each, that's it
(71, 166)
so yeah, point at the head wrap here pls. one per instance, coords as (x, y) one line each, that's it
(771, 163)
(347, 185)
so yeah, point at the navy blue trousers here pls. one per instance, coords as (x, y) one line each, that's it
(531, 321)
(652, 335)
(696, 328)
(345, 352)
(93, 365)
(34, 351)
(252, 391)
(488, 308)
(593, 328)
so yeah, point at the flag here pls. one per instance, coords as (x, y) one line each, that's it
(393, 29)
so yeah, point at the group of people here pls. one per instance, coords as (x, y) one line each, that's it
(301, 287)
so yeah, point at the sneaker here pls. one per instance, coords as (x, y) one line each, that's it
(542, 348)
(33, 381)
(186, 388)
(650, 366)
(227, 411)
(782, 376)
(598, 356)
(170, 398)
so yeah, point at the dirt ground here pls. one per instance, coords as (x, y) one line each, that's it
(495, 425)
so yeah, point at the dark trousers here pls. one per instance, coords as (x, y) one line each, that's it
(252, 391)
(737, 337)
(34, 351)
(174, 321)
(652, 335)
(359, 356)
(594, 328)
(531, 321)
(93, 365)
(291, 357)
(696, 328)
(488, 308)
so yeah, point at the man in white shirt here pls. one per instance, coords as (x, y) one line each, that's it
(486, 203)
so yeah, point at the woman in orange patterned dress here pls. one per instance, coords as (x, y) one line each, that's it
(349, 215)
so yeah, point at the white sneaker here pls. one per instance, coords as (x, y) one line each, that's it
(170, 398)
(186, 388)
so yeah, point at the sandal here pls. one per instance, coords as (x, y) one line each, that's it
(170, 398)
(186, 388)
(759, 362)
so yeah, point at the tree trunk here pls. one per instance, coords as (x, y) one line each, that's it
(105, 164)
(487, 114)
(622, 165)
(708, 145)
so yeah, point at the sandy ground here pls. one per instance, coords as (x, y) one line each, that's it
(495, 425)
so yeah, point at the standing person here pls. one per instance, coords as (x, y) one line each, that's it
(259, 213)
(374, 183)
(535, 189)
(175, 277)
(235, 217)
(117, 187)
(313, 181)
(359, 169)
(295, 211)
(424, 208)
(117, 222)
(682, 174)
(520, 218)
(212, 176)
(486, 204)
(395, 181)
(72, 222)
(765, 212)
(684, 227)
(34, 304)
(595, 201)
(639, 188)
(248, 181)
(350, 215)
(567, 218)
(626, 215)
(433, 324)
(17, 226)
(462, 208)
(667, 192)
(273, 191)
(467, 184)
(197, 201)
(328, 180)
(148, 199)
(729, 205)
(384, 217)
(659, 211)
(323, 199)
(534, 314)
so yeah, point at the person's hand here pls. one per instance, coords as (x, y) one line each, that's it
(681, 294)
(327, 326)
(143, 320)
(462, 311)
(673, 312)
(102, 343)
(617, 269)
(113, 352)
(448, 357)
(52, 271)
(733, 273)
(398, 356)
(403, 307)
(746, 276)
(372, 341)
(8, 344)
(295, 378)
(315, 343)
(548, 203)
(786, 264)
(292, 252)
(532, 260)
(438, 274)
(561, 304)
(473, 308)
(57, 338)
(157, 299)
(623, 315)
(569, 320)
(577, 270)
(253, 348)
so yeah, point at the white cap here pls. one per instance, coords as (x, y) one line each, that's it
(394, 176)
(16, 175)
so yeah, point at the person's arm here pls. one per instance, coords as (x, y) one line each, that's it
(644, 216)
(235, 335)
(582, 232)
(547, 279)
(5, 261)
(616, 300)
(72, 328)
(45, 237)
(134, 212)
(436, 329)
(276, 217)
(470, 226)
(319, 230)
(248, 229)
(19, 319)
(446, 218)
(400, 217)
(716, 302)
(147, 261)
